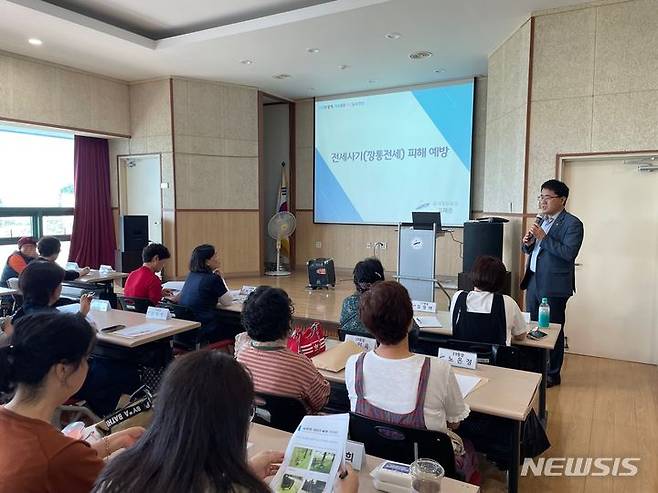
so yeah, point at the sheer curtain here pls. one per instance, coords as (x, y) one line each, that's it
(92, 240)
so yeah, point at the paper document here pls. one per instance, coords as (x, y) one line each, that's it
(313, 456)
(427, 321)
(72, 308)
(467, 383)
(335, 358)
(139, 330)
(174, 285)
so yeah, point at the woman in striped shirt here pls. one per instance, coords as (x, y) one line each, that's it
(267, 316)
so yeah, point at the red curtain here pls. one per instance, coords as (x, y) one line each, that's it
(92, 239)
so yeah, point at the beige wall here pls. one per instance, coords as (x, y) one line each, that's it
(594, 84)
(46, 94)
(507, 100)
(216, 171)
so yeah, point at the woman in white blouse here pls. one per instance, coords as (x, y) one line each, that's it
(392, 384)
(484, 315)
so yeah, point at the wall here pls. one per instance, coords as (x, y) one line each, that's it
(276, 149)
(347, 244)
(46, 94)
(152, 133)
(216, 172)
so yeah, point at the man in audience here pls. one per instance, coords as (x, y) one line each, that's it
(17, 261)
(552, 246)
(142, 282)
(49, 248)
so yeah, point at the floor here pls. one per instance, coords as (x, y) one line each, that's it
(604, 408)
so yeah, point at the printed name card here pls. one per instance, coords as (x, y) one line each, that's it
(105, 269)
(100, 305)
(366, 343)
(423, 306)
(72, 266)
(155, 313)
(354, 453)
(247, 290)
(460, 359)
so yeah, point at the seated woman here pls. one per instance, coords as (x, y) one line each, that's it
(204, 288)
(197, 442)
(49, 248)
(18, 260)
(142, 282)
(484, 315)
(392, 384)
(41, 285)
(267, 316)
(366, 273)
(44, 364)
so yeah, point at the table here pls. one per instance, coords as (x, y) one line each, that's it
(130, 319)
(7, 291)
(507, 394)
(266, 438)
(104, 280)
(543, 347)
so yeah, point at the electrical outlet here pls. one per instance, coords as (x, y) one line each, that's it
(384, 245)
(369, 244)
(318, 244)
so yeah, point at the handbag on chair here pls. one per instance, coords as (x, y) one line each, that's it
(309, 340)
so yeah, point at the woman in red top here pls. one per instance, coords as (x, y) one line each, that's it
(142, 282)
(45, 363)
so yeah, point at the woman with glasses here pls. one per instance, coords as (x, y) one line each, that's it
(276, 370)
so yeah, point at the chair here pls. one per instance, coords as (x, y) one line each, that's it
(401, 444)
(131, 304)
(79, 410)
(283, 413)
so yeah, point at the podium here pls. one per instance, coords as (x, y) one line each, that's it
(416, 260)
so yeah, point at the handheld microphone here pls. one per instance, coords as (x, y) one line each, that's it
(539, 220)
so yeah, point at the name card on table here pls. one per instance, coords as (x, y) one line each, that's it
(247, 290)
(423, 306)
(460, 359)
(72, 266)
(100, 305)
(105, 269)
(354, 453)
(155, 313)
(366, 343)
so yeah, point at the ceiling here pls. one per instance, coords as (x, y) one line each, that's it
(208, 39)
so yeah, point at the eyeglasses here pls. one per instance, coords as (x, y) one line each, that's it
(546, 198)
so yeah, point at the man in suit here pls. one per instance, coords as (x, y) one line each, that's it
(550, 270)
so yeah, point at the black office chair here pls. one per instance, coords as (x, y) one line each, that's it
(131, 304)
(401, 444)
(283, 413)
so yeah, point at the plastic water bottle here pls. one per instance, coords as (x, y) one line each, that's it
(544, 314)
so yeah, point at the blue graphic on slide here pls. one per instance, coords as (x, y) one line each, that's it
(381, 156)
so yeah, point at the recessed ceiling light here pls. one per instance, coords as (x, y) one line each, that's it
(282, 76)
(420, 55)
(313, 50)
(35, 41)
(343, 67)
(439, 70)
(392, 35)
(246, 61)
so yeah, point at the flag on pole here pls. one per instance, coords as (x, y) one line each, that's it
(282, 206)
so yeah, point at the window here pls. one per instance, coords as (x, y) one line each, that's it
(36, 198)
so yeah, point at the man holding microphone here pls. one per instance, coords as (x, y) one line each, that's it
(552, 244)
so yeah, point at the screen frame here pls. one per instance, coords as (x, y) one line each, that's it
(390, 90)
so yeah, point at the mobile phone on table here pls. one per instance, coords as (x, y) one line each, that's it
(536, 334)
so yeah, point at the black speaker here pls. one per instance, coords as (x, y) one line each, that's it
(481, 239)
(134, 233)
(321, 273)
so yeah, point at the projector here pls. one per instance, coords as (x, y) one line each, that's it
(321, 273)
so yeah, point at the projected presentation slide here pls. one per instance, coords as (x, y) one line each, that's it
(380, 157)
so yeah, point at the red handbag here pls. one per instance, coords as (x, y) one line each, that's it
(309, 341)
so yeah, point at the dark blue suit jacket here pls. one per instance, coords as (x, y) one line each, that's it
(556, 270)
